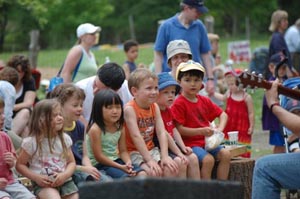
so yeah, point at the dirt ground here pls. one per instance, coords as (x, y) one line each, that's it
(260, 139)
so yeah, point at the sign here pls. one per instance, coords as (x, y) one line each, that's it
(239, 51)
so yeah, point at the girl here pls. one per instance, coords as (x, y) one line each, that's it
(106, 137)
(240, 111)
(71, 99)
(46, 156)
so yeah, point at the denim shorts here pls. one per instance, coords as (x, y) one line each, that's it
(276, 138)
(66, 189)
(201, 153)
(17, 191)
(115, 172)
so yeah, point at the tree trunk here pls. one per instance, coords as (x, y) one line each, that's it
(3, 23)
(34, 48)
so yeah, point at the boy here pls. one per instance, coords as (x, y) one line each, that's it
(9, 187)
(193, 114)
(142, 120)
(269, 121)
(293, 106)
(131, 50)
(168, 88)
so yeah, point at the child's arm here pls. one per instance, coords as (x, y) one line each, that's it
(222, 121)
(187, 131)
(61, 178)
(220, 96)
(163, 141)
(250, 108)
(95, 139)
(86, 162)
(174, 148)
(22, 168)
(130, 119)
(3, 183)
(180, 143)
(126, 70)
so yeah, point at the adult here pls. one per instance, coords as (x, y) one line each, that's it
(110, 75)
(26, 94)
(80, 62)
(279, 23)
(292, 39)
(185, 25)
(276, 171)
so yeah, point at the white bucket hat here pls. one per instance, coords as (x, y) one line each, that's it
(178, 46)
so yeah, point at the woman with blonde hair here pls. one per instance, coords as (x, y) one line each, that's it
(278, 25)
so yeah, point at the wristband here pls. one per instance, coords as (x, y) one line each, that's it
(274, 104)
(210, 78)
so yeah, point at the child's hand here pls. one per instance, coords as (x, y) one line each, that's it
(250, 131)
(207, 131)
(155, 169)
(187, 150)
(128, 170)
(59, 179)
(3, 183)
(168, 162)
(183, 158)
(43, 181)
(9, 159)
(93, 171)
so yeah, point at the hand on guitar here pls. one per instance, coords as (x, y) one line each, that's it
(272, 93)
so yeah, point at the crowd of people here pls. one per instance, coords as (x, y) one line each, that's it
(121, 121)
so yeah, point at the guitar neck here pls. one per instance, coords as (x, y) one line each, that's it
(295, 94)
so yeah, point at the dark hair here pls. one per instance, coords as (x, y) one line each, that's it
(9, 74)
(2, 104)
(23, 61)
(111, 75)
(102, 99)
(191, 73)
(128, 44)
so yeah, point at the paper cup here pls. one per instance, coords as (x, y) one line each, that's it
(233, 137)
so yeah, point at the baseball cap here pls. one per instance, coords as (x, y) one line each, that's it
(293, 105)
(165, 80)
(87, 28)
(199, 4)
(236, 71)
(189, 65)
(277, 58)
(178, 46)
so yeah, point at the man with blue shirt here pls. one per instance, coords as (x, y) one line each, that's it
(186, 26)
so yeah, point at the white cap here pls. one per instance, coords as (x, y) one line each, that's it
(87, 28)
(178, 46)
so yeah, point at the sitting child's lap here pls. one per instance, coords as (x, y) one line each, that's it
(138, 159)
(201, 153)
(66, 189)
(16, 191)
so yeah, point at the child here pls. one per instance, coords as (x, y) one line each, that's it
(269, 120)
(193, 114)
(142, 120)
(106, 137)
(240, 111)
(71, 99)
(293, 140)
(9, 187)
(46, 156)
(168, 88)
(131, 49)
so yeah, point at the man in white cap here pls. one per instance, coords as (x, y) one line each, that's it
(80, 62)
(185, 25)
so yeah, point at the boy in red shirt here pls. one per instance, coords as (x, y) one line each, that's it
(193, 114)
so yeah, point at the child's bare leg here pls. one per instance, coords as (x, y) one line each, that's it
(147, 170)
(207, 167)
(72, 196)
(182, 173)
(49, 193)
(193, 168)
(142, 173)
(224, 164)
(279, 149)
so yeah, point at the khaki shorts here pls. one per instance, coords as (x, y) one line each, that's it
(138, 159)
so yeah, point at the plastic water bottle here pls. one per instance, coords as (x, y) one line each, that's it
(107, 60)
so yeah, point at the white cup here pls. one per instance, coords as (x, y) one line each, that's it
(233, 137)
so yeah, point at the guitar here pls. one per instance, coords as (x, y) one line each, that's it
(251, 80)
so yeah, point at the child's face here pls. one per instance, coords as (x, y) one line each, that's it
(166, 96)
(132, 53)
(214, 46)
(57, 122)
(112, 113)
(72, 108)
(282, 71)
(231, 83)
(190, 85)
(147, 92)
(283, 24)
(178, 59)
(2, 117)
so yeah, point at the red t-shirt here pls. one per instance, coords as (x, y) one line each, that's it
(195, 115)
(168, 120)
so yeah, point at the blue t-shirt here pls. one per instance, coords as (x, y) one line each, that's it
(77, 136)
(172, 29)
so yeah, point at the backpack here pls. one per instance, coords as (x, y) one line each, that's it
(259, 60)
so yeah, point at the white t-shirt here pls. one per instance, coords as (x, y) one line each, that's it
(87, 86)
(52, 162)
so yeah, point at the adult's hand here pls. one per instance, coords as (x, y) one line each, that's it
(272, 93)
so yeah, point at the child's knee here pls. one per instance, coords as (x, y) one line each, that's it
(208, 160)
(224, 155)
(193, 159)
